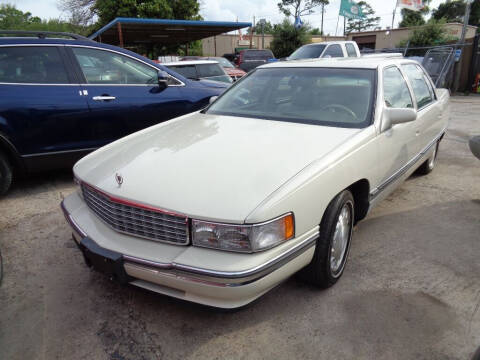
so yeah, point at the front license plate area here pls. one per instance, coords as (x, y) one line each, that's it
(103, 260)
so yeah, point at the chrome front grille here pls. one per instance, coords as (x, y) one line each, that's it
(137, 220)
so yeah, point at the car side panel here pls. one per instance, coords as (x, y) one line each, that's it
(43, 118)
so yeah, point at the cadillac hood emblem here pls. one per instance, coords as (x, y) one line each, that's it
(119, 179)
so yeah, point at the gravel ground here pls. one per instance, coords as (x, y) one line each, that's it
(411, 289)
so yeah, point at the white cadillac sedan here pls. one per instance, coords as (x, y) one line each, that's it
(221, 205)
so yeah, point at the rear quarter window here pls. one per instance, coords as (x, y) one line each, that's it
(32, 65)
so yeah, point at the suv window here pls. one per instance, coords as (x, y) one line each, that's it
(395, 90)
(421, 86)
(105, 67)
(351, 50)
(32, 65)
(334, 50)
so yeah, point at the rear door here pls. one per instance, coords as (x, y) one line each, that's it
(428, 111)
(42, 110)
(123, 93)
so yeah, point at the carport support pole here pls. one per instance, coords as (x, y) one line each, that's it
(120, 34)
(215, 44)
(456, 83)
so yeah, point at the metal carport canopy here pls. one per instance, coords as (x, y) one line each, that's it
(134, 31)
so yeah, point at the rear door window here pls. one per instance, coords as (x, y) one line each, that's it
(32, 65)
(334, 50)
(421, 86)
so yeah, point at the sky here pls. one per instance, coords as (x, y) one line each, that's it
(243, 10)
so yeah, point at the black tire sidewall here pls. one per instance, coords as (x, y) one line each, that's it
(329, 225)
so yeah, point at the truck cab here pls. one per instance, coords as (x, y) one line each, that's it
(327, 49)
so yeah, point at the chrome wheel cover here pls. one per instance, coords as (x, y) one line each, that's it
(341, 239)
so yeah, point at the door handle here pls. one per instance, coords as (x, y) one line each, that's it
(103, 98)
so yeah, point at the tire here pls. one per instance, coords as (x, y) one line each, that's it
(429, 164)
(6, 174)
(325, 269)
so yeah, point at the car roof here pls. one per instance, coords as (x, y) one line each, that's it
(329, 42)
(191, 62)
(360, 63)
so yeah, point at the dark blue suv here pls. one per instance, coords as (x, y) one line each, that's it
(64, 96)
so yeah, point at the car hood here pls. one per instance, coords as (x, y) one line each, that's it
(206, 166)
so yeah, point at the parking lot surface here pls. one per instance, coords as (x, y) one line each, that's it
(411, 289)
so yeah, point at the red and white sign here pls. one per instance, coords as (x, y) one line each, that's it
(415, 5)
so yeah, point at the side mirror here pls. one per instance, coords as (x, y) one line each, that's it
(212, 99)
(162, 79)
(393, 116)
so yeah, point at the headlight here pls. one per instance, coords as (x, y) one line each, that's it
(243, 238)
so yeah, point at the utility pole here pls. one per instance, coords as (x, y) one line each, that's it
(323, 11)
(458, 72)
(262, 23)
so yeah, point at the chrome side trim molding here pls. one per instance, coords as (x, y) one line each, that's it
(226, 278)
(374, 193)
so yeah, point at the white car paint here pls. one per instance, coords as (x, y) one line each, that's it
(242, 170)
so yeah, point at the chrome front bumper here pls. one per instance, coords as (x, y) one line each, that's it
(226, 289)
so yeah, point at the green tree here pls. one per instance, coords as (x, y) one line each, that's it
(411, 18)
(453, 11)
(286, 38)
(107, 10)
(13, 19)
(368, 22)
(267, 28)
(431, 34)
(298, 8)
(316, 31)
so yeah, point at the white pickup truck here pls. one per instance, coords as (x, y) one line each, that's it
(327, 49)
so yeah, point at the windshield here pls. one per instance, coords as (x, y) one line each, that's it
(307, 52)
(321, 96)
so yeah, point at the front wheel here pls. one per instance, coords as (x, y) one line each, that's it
(333, 244)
